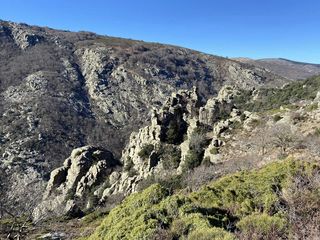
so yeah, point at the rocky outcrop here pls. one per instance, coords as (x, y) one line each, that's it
(24, 37)
(182, 134)
(252, 119)
(33, 86)
(174, 128)
(71, 186)
(219, 107)
(168, 126)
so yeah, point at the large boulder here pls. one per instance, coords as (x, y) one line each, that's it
(218, 108)
(69, 189)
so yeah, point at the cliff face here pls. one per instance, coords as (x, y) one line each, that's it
(61, 90)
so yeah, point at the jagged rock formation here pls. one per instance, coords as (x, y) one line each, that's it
(23, 38)
(60, 90)
(71, 185)
(181, 134)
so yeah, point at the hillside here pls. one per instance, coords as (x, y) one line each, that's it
(284, 67)
(218, 169)
(61, 90)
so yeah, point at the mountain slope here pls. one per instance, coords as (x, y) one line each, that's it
(60, 90)
(284, 67)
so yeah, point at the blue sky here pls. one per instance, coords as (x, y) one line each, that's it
(233, 28)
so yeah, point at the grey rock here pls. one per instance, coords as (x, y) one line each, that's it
(53, 236)
(24, 37)
(87, 167)
(221, 106)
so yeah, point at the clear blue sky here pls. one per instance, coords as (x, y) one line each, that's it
(233, 28)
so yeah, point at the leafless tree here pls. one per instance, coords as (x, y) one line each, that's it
(283, 136)
(262, 139)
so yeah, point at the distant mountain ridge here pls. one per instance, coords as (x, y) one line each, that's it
(284, 67)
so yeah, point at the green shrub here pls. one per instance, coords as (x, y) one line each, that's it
(206, 161)
(170, 156)
(132, 172)
(197, 144)
(210, 234)
(135, 218)
(188, 223)
(146, 151)
(70, 194)
(172, 183)
(129, 167)
(243, 117)
(193, 159)
(94, 216)
(246, 192)
(262, 226)
(312, 107)
(255, 123)
(128, 164)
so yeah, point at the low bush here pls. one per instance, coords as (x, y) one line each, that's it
(128, 164)
(210, 234)
(193, 159)
(312, 107)
(197, 144)
(170, 156)
(129, 167)
(261, 226)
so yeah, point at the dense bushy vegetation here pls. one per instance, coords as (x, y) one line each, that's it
(246, 205)
(170, 156)
(272, 98)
